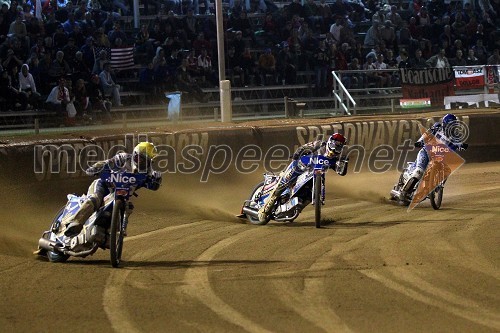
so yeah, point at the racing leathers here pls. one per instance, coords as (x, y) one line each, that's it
(296, 168)
(121, 162)
(438, 131)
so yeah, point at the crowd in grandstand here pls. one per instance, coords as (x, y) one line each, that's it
(60, 53)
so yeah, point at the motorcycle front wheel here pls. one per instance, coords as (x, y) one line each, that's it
(54, 256)
(117, 232)
(317, 199)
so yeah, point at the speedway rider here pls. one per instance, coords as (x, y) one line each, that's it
(139, 161)
(331, 149)
(441, 130)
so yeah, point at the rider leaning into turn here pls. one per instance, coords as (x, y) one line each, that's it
(140, 161)
(331, 149)
(441, 130)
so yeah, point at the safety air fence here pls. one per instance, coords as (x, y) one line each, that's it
(377, 143)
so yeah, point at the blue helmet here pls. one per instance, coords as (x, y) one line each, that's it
(448, 119)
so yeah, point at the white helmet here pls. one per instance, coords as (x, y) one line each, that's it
(335, 144)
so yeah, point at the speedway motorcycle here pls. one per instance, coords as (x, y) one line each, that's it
(307, 189)
(432, 181)
(104, 229)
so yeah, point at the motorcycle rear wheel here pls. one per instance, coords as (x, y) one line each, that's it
(257, 189)
(317, 199)
(436, 197)
(54, 256)
(116, 233)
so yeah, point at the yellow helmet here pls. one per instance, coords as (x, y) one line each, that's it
(142, 156)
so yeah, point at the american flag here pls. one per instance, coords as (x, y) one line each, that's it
(119, 57)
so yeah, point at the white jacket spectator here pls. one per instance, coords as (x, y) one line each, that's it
(26, 81)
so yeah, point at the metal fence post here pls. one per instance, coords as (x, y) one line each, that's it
(287, 112)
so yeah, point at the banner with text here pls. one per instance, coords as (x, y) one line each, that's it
(433, 83)
(469, 77)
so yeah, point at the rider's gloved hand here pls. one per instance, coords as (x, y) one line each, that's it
(91, 171)
(418, 144)
(154, 180)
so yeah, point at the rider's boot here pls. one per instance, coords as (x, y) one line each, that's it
(268, 205)
(75, 225)
(265, 210)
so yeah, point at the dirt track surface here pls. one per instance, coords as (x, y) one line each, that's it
(190, 266)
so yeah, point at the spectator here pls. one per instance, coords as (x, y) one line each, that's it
(143, 44)
(494, 59)
(186, 83)
(248, 64)
(58, 99)
(88, 52)
(190, 25)
(242, 23)
(285, 65)
(82, 105)
(388, 35)
(459, 60)
(116, 33)
(200, 43)
(354, 80)
(11, 60)
(335, 30)
(267, 66)
(60, 38)
(28, 86)
(97, 99)
(405, 61)
(480, 51)
(100, 61)
(147, 78)
(101, 39)
(78, 36)
(163, 77)
(157, 59)
(372, 36)
(471, 59)
(59, 67)
(205, 66)
(15, 98)
(439, 60)
(70, 50)
(109, 86)
(18, 30)
(70, 23)
(88, 25)
(321, 65)
(79, 68)
(395, 18)
(418, 62)
(386, 77)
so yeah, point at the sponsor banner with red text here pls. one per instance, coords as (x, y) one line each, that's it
(469, 77)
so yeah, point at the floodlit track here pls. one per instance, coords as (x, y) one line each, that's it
(191, 266)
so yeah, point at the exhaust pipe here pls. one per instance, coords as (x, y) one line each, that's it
(46, 244)
(250, 211)
(394, 194)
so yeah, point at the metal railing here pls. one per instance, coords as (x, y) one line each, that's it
(343, 98)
